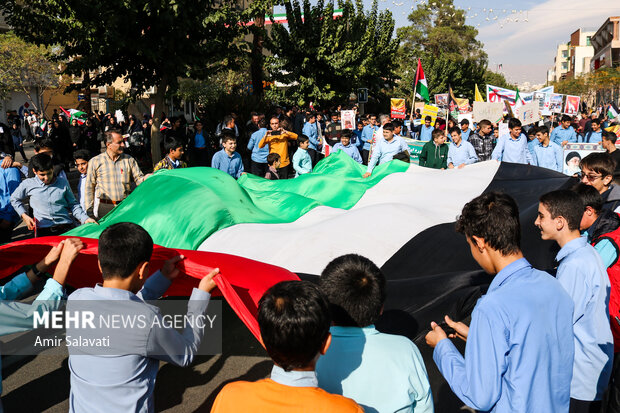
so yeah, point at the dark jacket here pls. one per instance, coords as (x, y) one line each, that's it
(433, 156)
(611, 198)
(606, 222)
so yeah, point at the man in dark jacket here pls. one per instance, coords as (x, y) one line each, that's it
(435, 152)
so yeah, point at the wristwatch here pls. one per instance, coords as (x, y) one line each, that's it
(39, 274)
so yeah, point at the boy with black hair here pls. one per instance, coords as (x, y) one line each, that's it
(483, 140)
(581, 273)
(424, 131)
(545, 153)
(381, 372)
(174, 150)
(302, 163)
(122, 379)
(294, 322)
(519, 350)
(434, 153)
(609, 144)
(595, 134)
(512, 147)
(367, 135)
(227, 160)
(564, 133)
(597, 169)
(273, 161)
(465, 130)
(347, 147)
(386, 149)
(81, 158)
(460, 153)
(51, 200)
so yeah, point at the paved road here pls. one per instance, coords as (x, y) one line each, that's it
(41, 383)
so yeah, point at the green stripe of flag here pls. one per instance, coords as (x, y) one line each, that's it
(181, 208)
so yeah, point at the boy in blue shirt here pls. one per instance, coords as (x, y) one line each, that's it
(258, 163)
(302, 164)
(460, 152)
(514, 146)
(227, 160)
(545, 153)
(564, 133)
(386, 148)
(51, 200)
(465, 131)
(519, 350)
(596, 134)
(347, 147)
(583, 276)
(426, 130)
(381, 372)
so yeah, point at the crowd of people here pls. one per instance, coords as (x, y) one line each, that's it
(535, 342)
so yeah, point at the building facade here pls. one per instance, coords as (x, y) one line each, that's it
(606, 43)
(580, 53)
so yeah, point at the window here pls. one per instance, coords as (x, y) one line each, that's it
(564, 65)
(564, 54)
(589, 41)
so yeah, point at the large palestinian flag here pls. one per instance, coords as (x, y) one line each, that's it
(259, 232)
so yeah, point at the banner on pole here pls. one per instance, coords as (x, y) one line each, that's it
(398, 108)
(430, 110)
(571, 107)
(491, 111)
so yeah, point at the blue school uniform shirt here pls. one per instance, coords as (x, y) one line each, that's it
(50, 204)
(465, 135)
(592, 137)
(583, 276)
(124, 379)
(302, 164)
(10, 179)
(550, 157)
(17, 317)
(519, 350)
(357, 139)
(512, 150)
(381, 372)
(232, 165)
(259, 155)
(310, 130)
(426, 133)
(384, 151)
(367, 133)
(559, 135)
(464, 153)
(350, 150)
(199, 140)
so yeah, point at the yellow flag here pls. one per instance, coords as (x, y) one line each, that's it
(479, 97)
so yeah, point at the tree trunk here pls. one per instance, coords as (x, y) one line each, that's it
(88, 105)
(256, 63)
(155, 133)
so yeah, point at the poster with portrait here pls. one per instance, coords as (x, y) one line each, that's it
(571, 107)
(441, 100)
(555, 103)
(347, 119)
(575, 152)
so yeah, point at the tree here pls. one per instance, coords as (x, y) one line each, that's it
(25, 67)
(145, 42)
(322, 58)
(450, 53)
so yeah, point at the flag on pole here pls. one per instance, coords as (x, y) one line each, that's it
(612, 111)
(518, 100)
(478, 95)
(420, 83)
